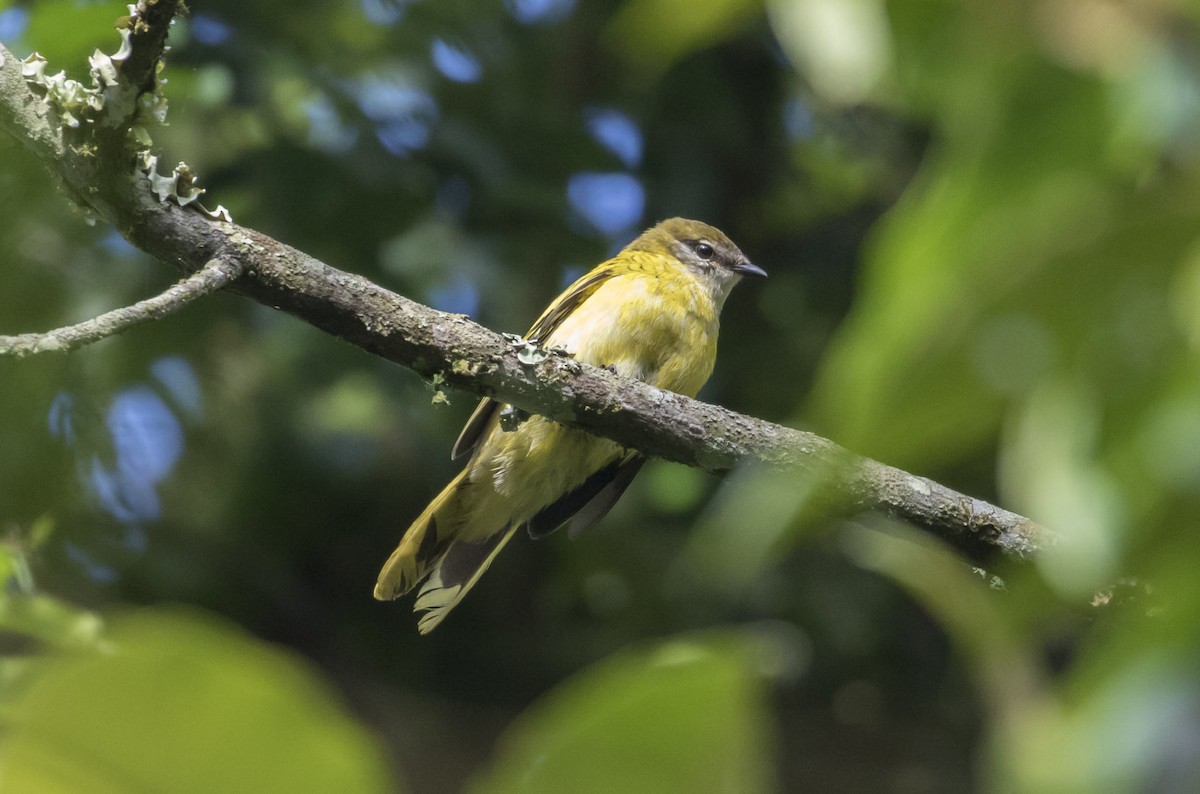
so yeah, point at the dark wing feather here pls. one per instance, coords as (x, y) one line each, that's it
(555, 313)
(598, 508)
(589, 502)
(568, 302)
(468, 439)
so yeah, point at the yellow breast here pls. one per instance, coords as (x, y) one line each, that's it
(656, 327)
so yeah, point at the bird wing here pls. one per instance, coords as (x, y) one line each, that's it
(551, 319)
(590, 501)
(468, 439)
(570, 300)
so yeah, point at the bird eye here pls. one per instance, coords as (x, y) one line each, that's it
(704, 250)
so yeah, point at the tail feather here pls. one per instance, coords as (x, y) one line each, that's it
(454, 575)
(420, 549)
(430, 553)
(456, 538)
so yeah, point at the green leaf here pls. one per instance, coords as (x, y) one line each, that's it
(49, 619)
(8, 565)
(687, 715)
(962, 302)
(184, 703)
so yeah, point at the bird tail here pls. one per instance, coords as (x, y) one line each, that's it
(421, 547)
(449, 567)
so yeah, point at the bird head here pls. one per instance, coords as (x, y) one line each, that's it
(703, 249)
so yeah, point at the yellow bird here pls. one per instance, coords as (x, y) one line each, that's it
(650, 313)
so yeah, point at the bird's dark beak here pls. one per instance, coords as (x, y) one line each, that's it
(749, 269)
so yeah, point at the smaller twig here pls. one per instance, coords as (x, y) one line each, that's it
(148, 27)
(216, 274)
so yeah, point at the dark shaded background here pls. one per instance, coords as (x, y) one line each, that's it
(980, 223)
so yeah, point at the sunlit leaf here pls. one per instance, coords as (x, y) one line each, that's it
(685, 716)
(49, 620)
(964, 295)
(841, 46)
(8, 565)
(184, 703)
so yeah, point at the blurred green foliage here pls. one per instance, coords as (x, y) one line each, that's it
(685, 716)
(980, 221)
(177, 702)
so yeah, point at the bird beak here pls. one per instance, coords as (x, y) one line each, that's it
(749, 269)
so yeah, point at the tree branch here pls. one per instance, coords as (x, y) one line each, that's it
(25, 116)
(208, 279)
(470, 357)
(148, 31)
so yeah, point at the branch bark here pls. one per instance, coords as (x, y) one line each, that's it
(470, 357)
(214, 275)
(25, 116)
